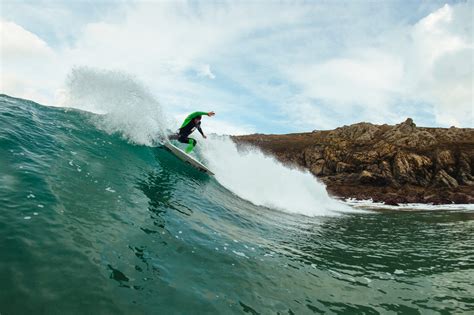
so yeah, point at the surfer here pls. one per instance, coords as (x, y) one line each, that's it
(191, 123)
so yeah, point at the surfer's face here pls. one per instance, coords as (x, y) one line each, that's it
(196, 120)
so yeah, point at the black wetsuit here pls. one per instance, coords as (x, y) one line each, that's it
(184, 132)
(191, 123)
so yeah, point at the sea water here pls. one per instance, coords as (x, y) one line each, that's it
(96, 219)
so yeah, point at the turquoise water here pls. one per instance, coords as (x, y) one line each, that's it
(93, 224)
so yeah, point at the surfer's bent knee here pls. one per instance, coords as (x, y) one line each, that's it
(183, 139)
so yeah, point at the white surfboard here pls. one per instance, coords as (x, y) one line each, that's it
(187, 158)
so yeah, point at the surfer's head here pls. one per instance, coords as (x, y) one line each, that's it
(197, 119)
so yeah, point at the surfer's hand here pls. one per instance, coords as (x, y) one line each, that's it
(210, 114)
(204, 136)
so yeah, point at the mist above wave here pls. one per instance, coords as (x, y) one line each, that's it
(130, 110)
(128, 107)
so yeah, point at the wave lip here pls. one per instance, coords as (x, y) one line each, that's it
(131, 111)
(129, 108)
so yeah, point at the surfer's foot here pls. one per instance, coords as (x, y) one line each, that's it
(189, 148)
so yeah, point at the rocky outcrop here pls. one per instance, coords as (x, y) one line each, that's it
(395, 164)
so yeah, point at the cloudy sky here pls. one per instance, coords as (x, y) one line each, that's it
(263, 66)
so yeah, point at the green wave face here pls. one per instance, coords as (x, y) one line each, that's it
(92, 224)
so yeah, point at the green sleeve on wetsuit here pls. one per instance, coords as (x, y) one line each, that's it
(191, 117)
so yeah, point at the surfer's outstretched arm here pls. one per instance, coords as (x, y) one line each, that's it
(194, 115)
(202, 133)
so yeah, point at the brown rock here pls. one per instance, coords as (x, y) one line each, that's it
(312, 155)
(386, 170)
(442, 179)
(412, 168)
(465, 171)
(396, 164)
(367, 177)
(356, 132)
(317, 168)
(445, 160)
(385, 150)
(408, 135)
(391, 202)
(342, 167)
(394, 200)
(367, 157)
(437, 200)
(462, 198)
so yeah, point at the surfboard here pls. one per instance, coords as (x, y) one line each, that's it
(187, 158)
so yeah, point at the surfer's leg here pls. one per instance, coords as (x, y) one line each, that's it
(183, 139)
(191, 145)
(173, 137)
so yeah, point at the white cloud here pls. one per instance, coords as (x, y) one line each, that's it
(60, 22)
(27, 64)
(430, 62)
(434, 37)
(303, 114)
(443, 51)
(369, 78)
(222, 127)
(17, 43)
(318, 64)
(205, 71)
(20, 86)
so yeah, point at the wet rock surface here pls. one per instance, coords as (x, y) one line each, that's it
(388, 163)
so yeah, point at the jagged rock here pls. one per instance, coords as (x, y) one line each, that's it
(394, 199)
(356, 132)
(312, 155)
(400, 163)
(408, 135)
(367, 157)
(331, 156)
(367, 177)
(391, 202)
(461, 198)
(445, 160)
(386, 170)
(406, 127)
(465, 171)
(412, 168)
(437, 200)
(442, 179)
(317, 168)
(342, 167)
(421, 138)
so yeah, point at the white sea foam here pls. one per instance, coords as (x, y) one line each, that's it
(262, 180)
(127, 106)
(369, 204)
(130, 110)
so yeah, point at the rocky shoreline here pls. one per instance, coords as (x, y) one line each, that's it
(394, 164)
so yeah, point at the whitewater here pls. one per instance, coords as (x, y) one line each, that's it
(96, 217)
(131, 111)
